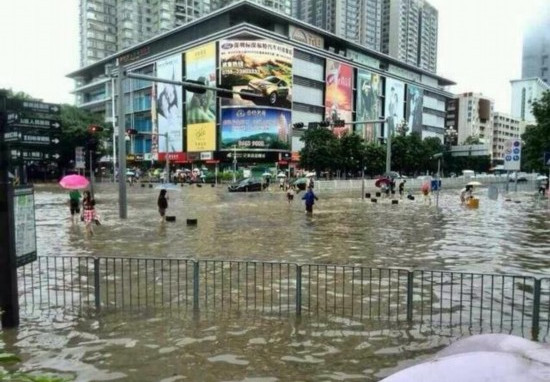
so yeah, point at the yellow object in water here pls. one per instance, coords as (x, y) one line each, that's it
(472, 203)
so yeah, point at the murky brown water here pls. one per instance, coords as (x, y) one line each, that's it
(501, 237)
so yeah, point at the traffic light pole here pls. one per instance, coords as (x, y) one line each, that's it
(121, 123)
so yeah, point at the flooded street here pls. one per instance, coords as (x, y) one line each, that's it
(162, 345)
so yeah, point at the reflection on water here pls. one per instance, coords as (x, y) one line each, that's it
(501, 237)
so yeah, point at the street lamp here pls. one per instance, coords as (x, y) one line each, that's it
(438, 156)
(234, 163)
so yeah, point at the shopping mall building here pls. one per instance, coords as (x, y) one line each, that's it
(298, 73)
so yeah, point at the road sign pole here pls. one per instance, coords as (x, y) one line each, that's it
(122, 202)
(9, 302)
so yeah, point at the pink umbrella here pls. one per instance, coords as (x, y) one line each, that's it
(380, 181)
(74, 182)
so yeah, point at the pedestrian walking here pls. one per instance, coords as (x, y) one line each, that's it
(74, 204)
(402, 188)
(162, 203)
(310, 199)
(290, 194)
(88, 212)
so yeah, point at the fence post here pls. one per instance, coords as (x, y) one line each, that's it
(97, 294)
(196, 286)
(298, 290)
(536, 310)
(410, 275)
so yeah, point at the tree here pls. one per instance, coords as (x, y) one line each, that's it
(472, 140)
(536, 139)
(350, 150)
(74, 133)
(320, 148)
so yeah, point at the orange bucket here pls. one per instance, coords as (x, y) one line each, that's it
(473, 203)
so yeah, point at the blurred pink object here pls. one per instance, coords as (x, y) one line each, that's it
(74, 182)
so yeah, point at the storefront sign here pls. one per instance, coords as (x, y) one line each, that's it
(301, 35)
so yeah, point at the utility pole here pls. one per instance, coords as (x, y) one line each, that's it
(122, 201)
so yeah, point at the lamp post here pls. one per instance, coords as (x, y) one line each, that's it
(438, 156)
(234, 163)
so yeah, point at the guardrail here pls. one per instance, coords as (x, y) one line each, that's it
(86, 285)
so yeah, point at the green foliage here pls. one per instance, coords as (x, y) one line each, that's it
(74, 132)
(471, 140)
(23, 377)
(410, 155)
(536, 139)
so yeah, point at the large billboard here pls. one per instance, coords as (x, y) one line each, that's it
(200, 65)
(253, 128)
(262, 67)
(394, 104)
(415, 101)
(368, 95)
(169, 105)
(338, 94)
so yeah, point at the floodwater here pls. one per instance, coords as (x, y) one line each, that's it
(500, 237)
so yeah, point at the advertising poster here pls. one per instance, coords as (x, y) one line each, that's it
(169, 105)
(263, 67)
(368, 93)
(253, 128)
(415, 97)
(200, 65)
(394, 105)
(338, 94)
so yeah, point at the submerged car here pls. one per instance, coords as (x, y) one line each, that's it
(272, 87)
(247, 184)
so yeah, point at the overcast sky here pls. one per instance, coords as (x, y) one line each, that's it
(479, 45)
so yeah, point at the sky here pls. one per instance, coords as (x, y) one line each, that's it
(479, 48)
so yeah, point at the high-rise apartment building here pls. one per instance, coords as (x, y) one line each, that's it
(536, 47)
(409, 32)
(108, 26)
(404, 29)
(355, 20)
(524, 93)
(283, 6)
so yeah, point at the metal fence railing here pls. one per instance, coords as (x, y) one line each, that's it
(504, 303)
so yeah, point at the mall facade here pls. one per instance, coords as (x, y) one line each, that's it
(298, 73)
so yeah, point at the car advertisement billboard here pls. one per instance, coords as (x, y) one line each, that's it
(368, 96)
(394, 105)
(261, 66)
(338, 94)
(254, 128)
(415, 97)
(200, 65)
(169, 105)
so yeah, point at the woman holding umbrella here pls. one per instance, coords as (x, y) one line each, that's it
(74, 203)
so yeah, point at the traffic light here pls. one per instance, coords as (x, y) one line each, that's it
(95, 129)
(298, 125)
(324, 123)
(191, 86)
(339, 123)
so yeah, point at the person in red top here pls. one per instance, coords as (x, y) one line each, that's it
(88, 213)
